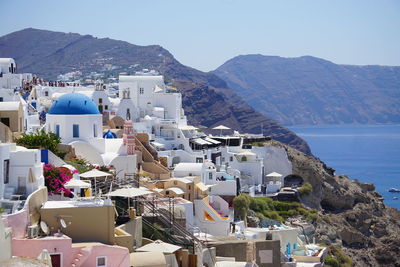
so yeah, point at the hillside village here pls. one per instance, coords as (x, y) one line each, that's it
(112, 174)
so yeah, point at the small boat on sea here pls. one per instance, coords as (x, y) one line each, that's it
(394, 190)
(395, 198)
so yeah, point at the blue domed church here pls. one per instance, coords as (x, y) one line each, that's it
(74, 117)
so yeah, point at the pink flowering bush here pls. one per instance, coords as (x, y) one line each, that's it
(55, 178)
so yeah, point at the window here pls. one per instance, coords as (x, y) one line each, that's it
(175, 182)
(58, 130)
(100, 100)
(210, 176)
(167, 192)
(189, 187)
(101, 261)
(1, 99)
(46, 93)
(106, 107)
(5, 121)
(222, 159)
(6, 171)
(141, 90)
(244, 158)
(94, 130)
(75, 131)
(100, 108)
(231, 159)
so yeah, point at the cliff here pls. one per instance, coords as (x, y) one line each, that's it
(206, 98)
(308, 90)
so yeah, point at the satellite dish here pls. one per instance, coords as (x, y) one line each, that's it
(63, 223)
(44, 227)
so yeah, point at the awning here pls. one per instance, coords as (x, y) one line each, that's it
(160, 246)
(94, 173)
(76, 183)
(32, 177)
(129, 192)
(208, 139)
(201, 142)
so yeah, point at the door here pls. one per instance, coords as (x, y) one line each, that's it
(55, 260)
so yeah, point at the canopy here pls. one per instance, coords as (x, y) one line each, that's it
(160, 246)
(221, 127)
(76, 183)
(201, 142)
(94, 173)
(129, 192)
(274, 174)
(208, 139)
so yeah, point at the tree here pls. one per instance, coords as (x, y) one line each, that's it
(41, 140)
(241, 206)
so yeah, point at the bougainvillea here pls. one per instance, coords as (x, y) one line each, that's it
(55, 178)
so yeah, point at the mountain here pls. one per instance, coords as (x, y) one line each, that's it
(206, 98)
(308, 90)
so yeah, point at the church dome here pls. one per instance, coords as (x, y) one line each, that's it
(109, 135)
(73, 104)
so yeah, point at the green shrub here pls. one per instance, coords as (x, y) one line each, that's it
(41, 140)
(331, 262)
(264, 206)
(274, 215)
(305, 189)
(337, 254)
(241, 205)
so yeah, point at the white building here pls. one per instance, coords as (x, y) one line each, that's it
(22, 174)
(9, 79)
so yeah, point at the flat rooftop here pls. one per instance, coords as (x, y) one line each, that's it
(73, 204)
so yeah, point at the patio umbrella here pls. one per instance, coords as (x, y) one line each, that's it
(159, 245)
(94, 174)
(129, 192)
(221, 127)
(76, 183)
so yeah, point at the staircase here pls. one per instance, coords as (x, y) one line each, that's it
(178, 234)
(81, 257)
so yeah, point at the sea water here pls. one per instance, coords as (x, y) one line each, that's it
(369, 153)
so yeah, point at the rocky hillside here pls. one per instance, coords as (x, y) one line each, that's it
(309, 90)
(351, 214)
(206, 98)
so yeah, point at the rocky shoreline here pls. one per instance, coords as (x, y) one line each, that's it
(350, 214)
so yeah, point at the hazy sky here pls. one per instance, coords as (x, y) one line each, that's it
(204, 34)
